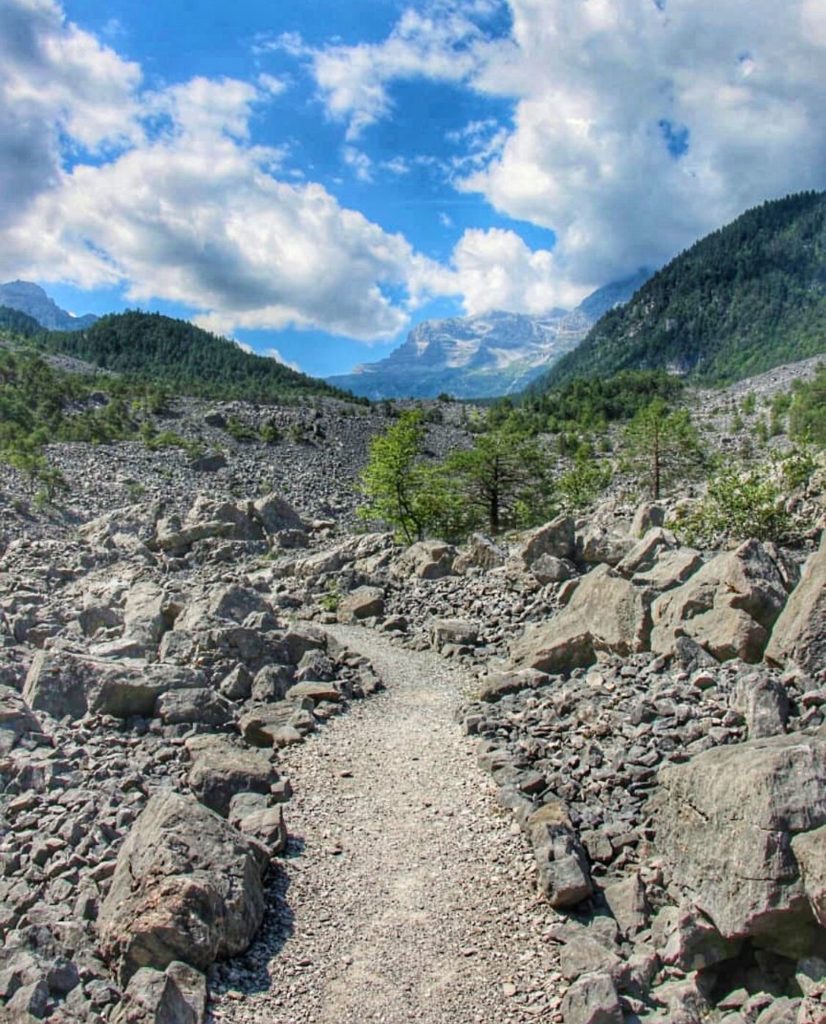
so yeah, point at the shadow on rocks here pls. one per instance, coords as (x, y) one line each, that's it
(250, 973)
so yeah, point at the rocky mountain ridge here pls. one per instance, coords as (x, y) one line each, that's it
(31, 299)
(171, 637)
(486, 355)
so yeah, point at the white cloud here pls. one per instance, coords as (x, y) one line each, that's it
(602, 88)
(602, 83)
(189, 209)
(54, 79)
(440, 44)
(359, 162)
(273, 353)
(494, 269)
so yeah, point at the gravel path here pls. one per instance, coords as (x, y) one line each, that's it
(405, 896)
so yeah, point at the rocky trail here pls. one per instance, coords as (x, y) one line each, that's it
(400, 900)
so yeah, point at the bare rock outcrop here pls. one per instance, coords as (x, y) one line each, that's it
(725, 822)
(187, 886)
(799, 635)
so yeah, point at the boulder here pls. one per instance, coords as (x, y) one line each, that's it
(278, 724)
(361, 603)
(724, 823)
(61, 684)
(605, 613)
(626, 899)
(763, 702)
(592, 999)
(728, 606)
(687, 940)
(221, 768)
(646, 552)
(549, 569)
(276, 514)
(453, 631)
(199, 705)
(560, 858)
(670, 569)
(556, 538)
(186, 886)
(647, 516)
(174, 996)
(16, 719)
(598, 545)
(809, 849)
(799, 635)
(147, 613)
(210, 462)
(481, 553)
(427, 560)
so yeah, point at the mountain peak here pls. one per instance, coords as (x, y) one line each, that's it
(484, 355)
(29, 298)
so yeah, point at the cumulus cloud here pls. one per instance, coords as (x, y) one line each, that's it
(494, 269)
(54, 79)
(639, 125)
(186, 208)
(441, 44)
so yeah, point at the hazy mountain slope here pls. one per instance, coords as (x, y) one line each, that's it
(741, 300)
(479, 356)
(30, 299)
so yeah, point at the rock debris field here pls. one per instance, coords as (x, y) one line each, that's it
(258, 767)
(401, 899)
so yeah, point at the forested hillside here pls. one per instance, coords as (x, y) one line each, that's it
(745, 298)
(183, 357)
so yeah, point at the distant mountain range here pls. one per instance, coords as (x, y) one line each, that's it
(30, 299)
(745, 298)
(483, 356)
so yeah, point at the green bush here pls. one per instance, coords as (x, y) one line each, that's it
(739, 504)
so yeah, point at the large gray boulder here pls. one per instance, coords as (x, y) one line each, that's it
(187, 886)
(605, 613)
(810, 850)
(426, 560)
(276, 514)
(481, 553)
(61, 683)
(728, 606)
(725, 822)
(361, 603)
(799, 635)
(561, 861)
(556, 538)
(16, 719)
(221, 768)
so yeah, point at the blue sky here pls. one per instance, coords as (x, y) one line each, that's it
(314, 178)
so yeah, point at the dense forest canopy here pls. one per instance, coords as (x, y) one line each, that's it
(740, 301)
(187, 359)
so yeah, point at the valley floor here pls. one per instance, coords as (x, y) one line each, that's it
(401, 900)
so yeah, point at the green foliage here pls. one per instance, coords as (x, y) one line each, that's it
(240, 431)
(18, 323)
(269, 432)
(331, 599)
(181, 356)
(586, 405)
(584, 482)
(740, 301)
(660, 447)
(392, 481)
(738, 505)
(503, 480)
(807, 410)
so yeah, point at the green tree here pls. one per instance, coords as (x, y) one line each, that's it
(583, 483)
(393, 480)
(660, 446)
(503, 478)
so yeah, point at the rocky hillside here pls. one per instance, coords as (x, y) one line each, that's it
(483, 356)
(745, 298)
(587, 785)
(32, 300)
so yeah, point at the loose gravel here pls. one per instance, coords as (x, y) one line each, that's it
(404, 896)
